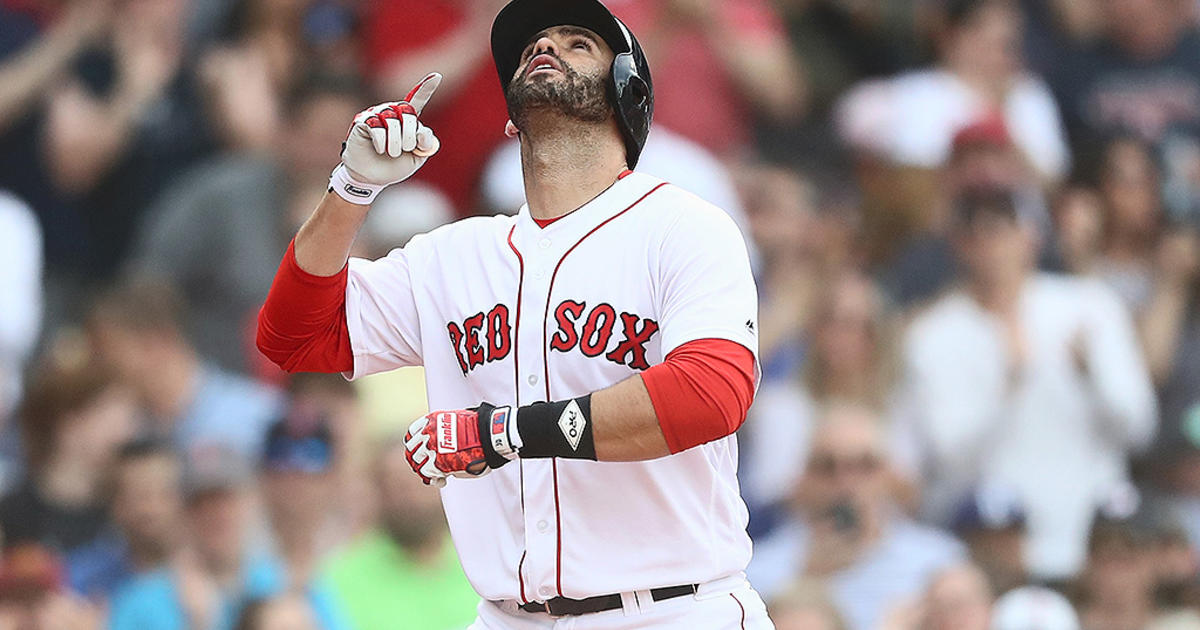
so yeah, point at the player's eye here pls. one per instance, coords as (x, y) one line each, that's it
(582, 44)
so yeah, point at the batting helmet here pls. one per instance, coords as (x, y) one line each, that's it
(630, 90)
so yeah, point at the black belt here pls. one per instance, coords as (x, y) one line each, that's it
(562, 606)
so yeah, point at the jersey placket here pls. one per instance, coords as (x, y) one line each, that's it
(540, 570)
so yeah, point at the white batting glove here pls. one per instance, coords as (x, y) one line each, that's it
(386, 145)
(421, 455)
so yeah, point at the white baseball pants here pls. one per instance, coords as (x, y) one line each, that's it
(726, 604)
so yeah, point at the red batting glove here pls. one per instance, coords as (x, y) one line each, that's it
(446, 444)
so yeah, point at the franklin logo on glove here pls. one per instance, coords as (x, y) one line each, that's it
(447, 432)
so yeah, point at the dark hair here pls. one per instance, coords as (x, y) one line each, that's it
(140, 304)
(973, 203)
(62, 384)
(144, 447)
(959, 12)
(321, 83)
(250, 616)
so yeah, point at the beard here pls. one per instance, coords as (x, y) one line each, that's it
(582, 97)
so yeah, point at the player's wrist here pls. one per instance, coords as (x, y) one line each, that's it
(557, 429)
(351, 188)
(540, 430)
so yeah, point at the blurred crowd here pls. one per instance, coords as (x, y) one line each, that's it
(974, 226)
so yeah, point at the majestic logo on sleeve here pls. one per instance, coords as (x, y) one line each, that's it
(601, 331)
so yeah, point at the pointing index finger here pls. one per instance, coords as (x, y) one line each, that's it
(423, 91)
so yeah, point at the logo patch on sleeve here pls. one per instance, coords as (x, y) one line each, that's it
(572, 423)
(447, 432)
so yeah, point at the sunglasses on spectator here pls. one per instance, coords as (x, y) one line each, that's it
(826, 465)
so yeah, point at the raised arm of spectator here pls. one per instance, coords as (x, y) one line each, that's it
(86, 134)
(455, 54)
(1114, 365)
(751, 43)
(1162, 322)
(28, 76)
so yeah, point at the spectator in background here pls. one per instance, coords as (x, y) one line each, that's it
(841, 42)
(993, 524)
(793, 242)
(40, 41)
(131, 117)
(207, 585)
(848, 530)
(286, 612)
(959, 598)
(805, 606)
(847, 362)
(1033, 608)
(734, 52)
(911, 119)
(218, 230)
(1024, 380)
(406, 39)
(983, 156)
(31, 65)
(269, 47)
(404, 573)
(73, 419)
(1078, 216)
(33, 597)
(1143, 78)
(137, 330)
(20, 318)
(1128, 182)
(299, 485)
(147, 509)
(1117, 586)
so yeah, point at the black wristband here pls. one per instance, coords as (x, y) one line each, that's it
(557, 429)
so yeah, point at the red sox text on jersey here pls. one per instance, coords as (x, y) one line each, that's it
(486, 337)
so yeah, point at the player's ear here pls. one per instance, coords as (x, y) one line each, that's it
(511, 130)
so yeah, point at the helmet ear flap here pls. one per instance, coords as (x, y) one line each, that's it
(633, 101)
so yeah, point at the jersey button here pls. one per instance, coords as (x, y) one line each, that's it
(540, 273)
(545, 591)
(533, 379)
(542, 525)
(544, 243)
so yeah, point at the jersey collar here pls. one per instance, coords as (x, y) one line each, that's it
(629, 187)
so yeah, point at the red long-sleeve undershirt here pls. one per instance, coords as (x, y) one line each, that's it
(700, 393)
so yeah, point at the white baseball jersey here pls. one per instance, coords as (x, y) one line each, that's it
(500, 310)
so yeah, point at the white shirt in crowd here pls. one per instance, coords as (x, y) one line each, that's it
(498, 309)
(1056, 433)
(21, 299)
(912, 119)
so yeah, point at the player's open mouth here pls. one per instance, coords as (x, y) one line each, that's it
(543, 63)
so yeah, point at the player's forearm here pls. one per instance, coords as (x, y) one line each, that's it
(626, 425)
(324, 241)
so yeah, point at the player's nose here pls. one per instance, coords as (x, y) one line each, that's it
(545, 45)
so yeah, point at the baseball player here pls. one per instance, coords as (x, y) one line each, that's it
(590, 357)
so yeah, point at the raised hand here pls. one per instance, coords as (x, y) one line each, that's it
(387, 144)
